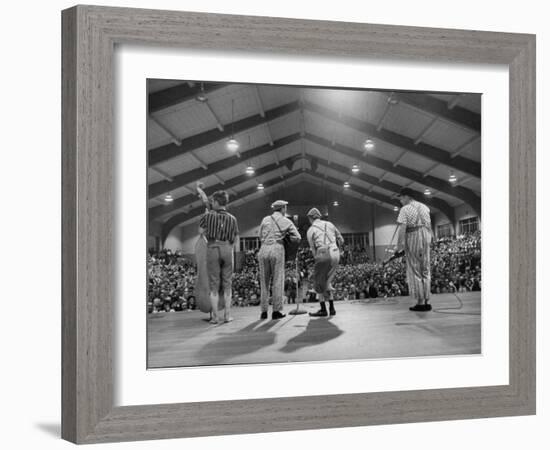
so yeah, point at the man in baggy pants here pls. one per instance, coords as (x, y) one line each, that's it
(324, 240)
(271, 257)
(415, 237)
(220, 230)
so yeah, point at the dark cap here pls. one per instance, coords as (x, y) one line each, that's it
(406, 191)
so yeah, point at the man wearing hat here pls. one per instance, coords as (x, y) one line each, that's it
(271, 257)
(324, 240)
(415, 237)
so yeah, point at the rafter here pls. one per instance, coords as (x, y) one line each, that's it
(195, 212)
(372, 195)
(259, 101)
(214, 115)
(194, 175)
(180, 93)
(466, 195)
(435, 202)
(432, 105)
(425, 150)
(184, 201)
(170, 151)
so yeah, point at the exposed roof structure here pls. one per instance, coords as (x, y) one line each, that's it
(294, 134)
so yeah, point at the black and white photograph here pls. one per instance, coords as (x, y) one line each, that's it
(293, 224)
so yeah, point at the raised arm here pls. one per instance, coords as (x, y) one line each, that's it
(202, 195)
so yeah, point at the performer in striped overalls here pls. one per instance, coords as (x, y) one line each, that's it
(324, 240)
(415, 237)
(220, 230)
(271, 257)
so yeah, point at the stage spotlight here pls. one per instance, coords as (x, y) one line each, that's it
(335, 203)
(250, 170)
(427, 192)
(232, 145)
(168, 198)
(355, 168)
(368, 144)
(346, 185)
(396, 208)
(452, 178)
(260, 187)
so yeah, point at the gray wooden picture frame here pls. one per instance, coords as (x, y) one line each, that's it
(89, 37)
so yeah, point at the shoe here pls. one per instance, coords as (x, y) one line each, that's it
(421, 308)
(320, 313)
(228, 319)
(277, 315)
(332, 311)
(263, 315)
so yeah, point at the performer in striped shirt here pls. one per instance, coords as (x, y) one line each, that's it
(414, 237)
(220, 229)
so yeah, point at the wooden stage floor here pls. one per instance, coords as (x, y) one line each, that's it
(360, 330)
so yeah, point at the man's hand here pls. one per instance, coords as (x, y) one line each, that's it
(200, 185)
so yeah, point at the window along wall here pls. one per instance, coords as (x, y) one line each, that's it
(356, 240)
(249, 243)
(445, 230)
(469, 225)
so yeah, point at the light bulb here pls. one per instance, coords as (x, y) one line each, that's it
(368, 144)
(232, 145)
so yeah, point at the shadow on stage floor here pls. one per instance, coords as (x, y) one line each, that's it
(360, 330)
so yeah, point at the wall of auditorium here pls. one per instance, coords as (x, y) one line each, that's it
(351, 216)
(461, 212)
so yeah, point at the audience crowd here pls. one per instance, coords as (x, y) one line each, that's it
(456, 267)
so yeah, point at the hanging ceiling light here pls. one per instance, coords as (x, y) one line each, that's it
(249, 170)
(427, 192)
(232, 144)
(396, 208)
(260, 187)
(168, 198)
(346, 185)
(452, 178)
(201, 96)
(355, 168)
(368, 144)
(335, 203)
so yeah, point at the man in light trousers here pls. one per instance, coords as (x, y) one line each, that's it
(271, 257)
(324, 240)
(415, 237)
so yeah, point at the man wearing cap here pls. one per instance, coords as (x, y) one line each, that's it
(415, 237)
(271, 257)
(324, 240)
(220, 230)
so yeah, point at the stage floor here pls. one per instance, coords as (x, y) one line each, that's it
(360, 330)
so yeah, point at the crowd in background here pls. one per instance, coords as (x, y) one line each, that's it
(455, 262)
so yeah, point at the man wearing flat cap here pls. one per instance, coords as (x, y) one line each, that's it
(415, 237)
(324, 240)
(271, 257)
